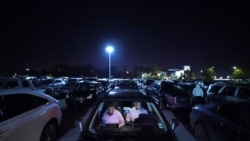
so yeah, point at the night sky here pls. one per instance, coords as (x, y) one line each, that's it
(163, 34)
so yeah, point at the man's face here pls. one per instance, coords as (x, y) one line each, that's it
(138, 105)
(111, 110)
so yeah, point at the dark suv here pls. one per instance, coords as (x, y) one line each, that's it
(221, 121)
(169, 94)
(84, 93)
(233, 93)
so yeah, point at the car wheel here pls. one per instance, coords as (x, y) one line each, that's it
(200, 132)
(49, 132)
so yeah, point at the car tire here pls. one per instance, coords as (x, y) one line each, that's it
(49, 132)
(200, 132)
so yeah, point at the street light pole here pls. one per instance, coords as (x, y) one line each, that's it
(109, 49)
(109, 65)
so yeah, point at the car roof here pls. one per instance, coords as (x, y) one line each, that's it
(35, 92)
(126, 95)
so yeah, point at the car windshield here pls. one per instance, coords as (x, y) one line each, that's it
(157, 123)
(86, 87)
(174, 90)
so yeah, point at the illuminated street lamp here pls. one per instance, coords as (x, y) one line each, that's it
(109, 49)
(234, 67)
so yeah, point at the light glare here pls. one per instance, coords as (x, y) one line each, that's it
(109, 49)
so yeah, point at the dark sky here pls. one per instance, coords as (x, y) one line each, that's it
(164, 34)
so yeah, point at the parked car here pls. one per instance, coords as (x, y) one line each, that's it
(221, 121)
(85, 93)
(10, 83)
(169, 94)
(232, 92)
(148, 130)
(28, 115)
(126, 84)
(66, 89)
(146, 83)
(104, 83)
(59, 82)
(75, 80)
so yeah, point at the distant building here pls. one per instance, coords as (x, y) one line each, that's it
(178, 73)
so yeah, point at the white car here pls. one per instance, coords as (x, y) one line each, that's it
(28, 115)
(57, 83)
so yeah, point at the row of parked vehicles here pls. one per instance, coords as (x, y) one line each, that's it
(224, 115)
(225, 109)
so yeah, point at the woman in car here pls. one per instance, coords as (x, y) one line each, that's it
(135, 111)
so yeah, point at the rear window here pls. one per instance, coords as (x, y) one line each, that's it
(174, 90)
(158, 124)
(214, 88)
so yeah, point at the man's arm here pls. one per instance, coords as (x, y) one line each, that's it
(121, 119)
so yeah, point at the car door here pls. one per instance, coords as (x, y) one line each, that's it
(5, 128)
(25, 118)
(224, 123)
(242, 95)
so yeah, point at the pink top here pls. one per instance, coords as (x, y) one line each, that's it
(115, 118)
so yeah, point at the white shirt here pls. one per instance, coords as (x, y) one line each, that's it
(134, 113)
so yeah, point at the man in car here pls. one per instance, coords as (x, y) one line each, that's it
(112, 116)
(135, 111)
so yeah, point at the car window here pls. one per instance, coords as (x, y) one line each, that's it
(17, 104)
(25, 84)
(229, 91)
(124, 107)
(11, 84)
(244, 93)
(84, 88)
(174, 90)
(215, 88)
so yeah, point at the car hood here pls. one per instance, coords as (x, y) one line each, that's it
(145, 137)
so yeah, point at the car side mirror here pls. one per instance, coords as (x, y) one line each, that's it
(174, 124)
